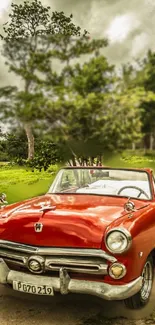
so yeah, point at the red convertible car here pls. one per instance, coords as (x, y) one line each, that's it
(92, 233)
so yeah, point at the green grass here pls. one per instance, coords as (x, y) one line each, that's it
(19, 183)
(131, 159)
(18, 192)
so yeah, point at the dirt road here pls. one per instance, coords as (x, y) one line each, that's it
(22, 309)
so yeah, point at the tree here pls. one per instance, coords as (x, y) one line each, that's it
(94, 76)
(143, 76)
(148, 115)
(94, 113)
(13, 147)
(3, 151)
(16, 145)
(93, 125)
(30, 39)
(47, 153)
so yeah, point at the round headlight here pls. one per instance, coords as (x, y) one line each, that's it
(118, 241)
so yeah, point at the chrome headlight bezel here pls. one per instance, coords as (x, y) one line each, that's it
(127, 236)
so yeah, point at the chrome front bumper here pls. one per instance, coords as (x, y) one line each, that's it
(64, 284)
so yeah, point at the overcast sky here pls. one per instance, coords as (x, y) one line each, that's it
(128, 24)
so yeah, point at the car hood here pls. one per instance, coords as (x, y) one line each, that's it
(73, 221)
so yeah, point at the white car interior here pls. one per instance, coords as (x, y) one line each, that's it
(113, 187)
(103, 181)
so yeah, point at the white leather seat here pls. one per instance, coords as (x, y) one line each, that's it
(112, 187)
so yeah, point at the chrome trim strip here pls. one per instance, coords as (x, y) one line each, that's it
(12, 256)
(15, 262)
(57, 251)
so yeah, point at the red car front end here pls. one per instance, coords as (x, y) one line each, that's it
(80, 237)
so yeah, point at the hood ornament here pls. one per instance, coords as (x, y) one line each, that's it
(46, 207)
(38, 227)
(129, 206)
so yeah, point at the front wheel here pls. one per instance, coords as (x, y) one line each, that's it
(141, 298)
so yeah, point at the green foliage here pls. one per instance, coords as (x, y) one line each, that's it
(47, 154)
(14, 149)
(94, 76)
(3, 152)
(89, 116)
(143, 76)
(148, 115)
(16, 145)
(90, 126)
(3, 156)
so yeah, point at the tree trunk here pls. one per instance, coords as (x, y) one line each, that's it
(30, 138)
(73, 161)
(151, 141)
(133, 146)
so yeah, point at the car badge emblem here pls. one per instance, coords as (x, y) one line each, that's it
(38, 227)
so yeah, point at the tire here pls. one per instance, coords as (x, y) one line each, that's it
(141, 298)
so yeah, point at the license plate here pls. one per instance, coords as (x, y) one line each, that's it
(33, 288)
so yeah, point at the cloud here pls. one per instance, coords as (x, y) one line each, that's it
(4, 5)
(122, 21)
(129, 25)
(120, 27)
(139, 44)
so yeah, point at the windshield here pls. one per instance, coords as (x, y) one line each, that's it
(103, 181)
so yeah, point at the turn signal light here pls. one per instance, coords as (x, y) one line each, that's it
(117, 271)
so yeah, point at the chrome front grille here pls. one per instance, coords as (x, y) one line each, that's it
(87, 261)
(12, 256)
(76, 264)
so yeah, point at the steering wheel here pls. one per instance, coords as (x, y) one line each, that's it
(136, 188)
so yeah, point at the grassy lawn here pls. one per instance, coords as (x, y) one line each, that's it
(132, 159)
(20, 184)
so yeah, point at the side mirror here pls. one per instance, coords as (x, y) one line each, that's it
(3, 198)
